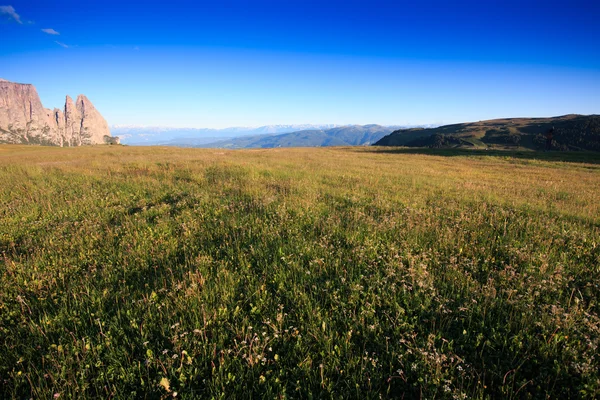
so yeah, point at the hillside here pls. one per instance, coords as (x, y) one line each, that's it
(571, 132)
(325, 273)
(353, 135)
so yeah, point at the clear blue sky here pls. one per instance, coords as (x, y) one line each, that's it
(248, 63)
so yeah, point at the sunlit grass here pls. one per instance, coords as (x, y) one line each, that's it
(291, 273)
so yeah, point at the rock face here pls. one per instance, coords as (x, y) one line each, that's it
(24, 120)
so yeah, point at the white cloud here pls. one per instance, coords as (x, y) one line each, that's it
(50, 31)
(11, 13)
(61, 44)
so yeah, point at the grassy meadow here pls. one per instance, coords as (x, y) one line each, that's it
(131, 272)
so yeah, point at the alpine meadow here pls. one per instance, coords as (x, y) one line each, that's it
(347, 272)
(300, 200)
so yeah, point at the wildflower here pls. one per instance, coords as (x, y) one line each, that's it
(164, 382)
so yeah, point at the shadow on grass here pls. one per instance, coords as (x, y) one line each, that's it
(562, 156)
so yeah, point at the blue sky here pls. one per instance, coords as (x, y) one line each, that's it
(249, 63)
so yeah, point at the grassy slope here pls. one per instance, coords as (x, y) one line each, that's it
(575, 131)
(342, 272)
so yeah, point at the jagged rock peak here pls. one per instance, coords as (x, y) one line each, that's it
(93, 125)
(23, 119)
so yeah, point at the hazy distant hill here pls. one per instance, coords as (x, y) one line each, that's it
(571, 132)
(169, 136)
(353, 135)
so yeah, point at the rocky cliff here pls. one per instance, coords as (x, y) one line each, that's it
(23, 119)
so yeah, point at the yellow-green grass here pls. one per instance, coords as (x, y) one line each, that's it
(295, 273)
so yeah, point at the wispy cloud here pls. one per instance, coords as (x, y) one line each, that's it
(10, 12)
(61, 44)
(50, 31)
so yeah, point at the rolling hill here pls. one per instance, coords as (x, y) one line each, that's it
(353, 135)
(571, 132)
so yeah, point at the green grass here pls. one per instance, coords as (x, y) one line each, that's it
(297, 273)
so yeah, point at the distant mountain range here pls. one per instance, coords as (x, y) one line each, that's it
(262, 137)
(571, 132)
(192, 137)
(353, 135)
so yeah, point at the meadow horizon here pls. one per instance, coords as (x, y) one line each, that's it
(452, 262)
